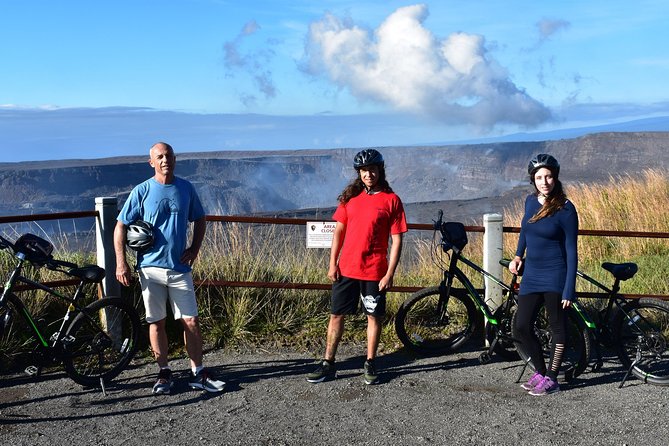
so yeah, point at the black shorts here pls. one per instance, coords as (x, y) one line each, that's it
(346, 293)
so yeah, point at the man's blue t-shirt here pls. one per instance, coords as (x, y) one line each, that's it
(169, 208)
(550, 250)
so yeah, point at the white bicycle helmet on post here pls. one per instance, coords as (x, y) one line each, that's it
(139, 236)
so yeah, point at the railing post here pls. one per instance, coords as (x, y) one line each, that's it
(107, 208)
(492, 254)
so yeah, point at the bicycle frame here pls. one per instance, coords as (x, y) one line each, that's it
(615, 302)
(454, 271)
(72, 307)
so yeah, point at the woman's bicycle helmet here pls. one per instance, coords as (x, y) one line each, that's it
(543, 160)
(140, 235)
(367, 157)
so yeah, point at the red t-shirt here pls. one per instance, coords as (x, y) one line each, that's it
(370, 220)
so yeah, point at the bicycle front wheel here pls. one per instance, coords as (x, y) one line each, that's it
(643, 339)
(422, 329)
(577, 351)
(101, 341)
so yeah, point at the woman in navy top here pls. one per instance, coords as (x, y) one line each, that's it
(548, 234)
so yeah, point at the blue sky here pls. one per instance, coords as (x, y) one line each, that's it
(82, 79)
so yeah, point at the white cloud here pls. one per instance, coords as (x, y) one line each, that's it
(403, 65)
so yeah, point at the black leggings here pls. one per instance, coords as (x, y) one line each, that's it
(528, 308)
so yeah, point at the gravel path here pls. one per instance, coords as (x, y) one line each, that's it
(420, 401)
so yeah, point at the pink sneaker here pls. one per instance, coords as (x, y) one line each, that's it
(532, 383)
(545, 387)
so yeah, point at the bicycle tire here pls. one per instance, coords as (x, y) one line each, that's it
(578, 348)
(101, 341)
(17, 339)
(649, 336)
(423, 331)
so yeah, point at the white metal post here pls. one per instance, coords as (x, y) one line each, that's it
(492, 254)
(107, 208)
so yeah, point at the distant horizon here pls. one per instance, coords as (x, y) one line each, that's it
(185, 139)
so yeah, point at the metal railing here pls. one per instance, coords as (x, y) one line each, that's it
(108, 240)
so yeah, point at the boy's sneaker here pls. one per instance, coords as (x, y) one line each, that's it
(545, 387)
(324, 371)
(163, 384)
(371, 376)
(204, 380)
(533, 382)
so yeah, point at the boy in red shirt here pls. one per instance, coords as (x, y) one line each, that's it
(369, 213)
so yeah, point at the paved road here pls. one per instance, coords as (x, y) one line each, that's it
(428, 401)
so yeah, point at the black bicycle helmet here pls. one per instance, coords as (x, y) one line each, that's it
(35, 249)
(367, 157)
(140, 235)
(543, 160)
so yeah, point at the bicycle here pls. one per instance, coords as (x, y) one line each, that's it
(94, 342)
(638, 329)
(439, 319)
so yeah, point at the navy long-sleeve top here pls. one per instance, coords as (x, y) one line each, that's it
(551, 254)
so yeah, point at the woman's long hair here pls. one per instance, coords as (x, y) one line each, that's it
(553, 203)
(356, 186)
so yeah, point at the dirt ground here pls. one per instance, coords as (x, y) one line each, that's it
(419, 401)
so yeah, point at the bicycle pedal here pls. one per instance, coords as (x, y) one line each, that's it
(33, 370)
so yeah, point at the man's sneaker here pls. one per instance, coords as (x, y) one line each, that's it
(532, 383)
(163, 384)
(325, 371)
(545, 387)
(204, 380)
(371, 376)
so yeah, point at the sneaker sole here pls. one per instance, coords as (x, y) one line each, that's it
(162, 392)
(207, 389)
(320, 380)
(371, 382)
(545, 393)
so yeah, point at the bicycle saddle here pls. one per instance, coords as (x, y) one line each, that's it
(621, 271)
(88, 273)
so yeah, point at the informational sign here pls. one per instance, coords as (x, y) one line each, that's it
(320, 233)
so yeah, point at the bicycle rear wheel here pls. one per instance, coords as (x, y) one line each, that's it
(101, 341)
(423, 330)
(577, 351)
(503, 331)
(643, 338)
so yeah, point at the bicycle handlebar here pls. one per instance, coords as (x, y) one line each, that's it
(439, 220)
(4, 243)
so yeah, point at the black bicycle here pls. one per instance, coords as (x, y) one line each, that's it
(439, 319)
(636, 328)
(94, 342)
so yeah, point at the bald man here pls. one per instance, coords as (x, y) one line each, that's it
(169, 204)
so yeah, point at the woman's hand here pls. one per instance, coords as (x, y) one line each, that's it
(566, 304)
(515, 265)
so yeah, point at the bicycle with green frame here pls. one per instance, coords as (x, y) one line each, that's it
(94, 341)
(439, 319)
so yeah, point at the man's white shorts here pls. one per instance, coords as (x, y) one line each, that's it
(161, 286)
